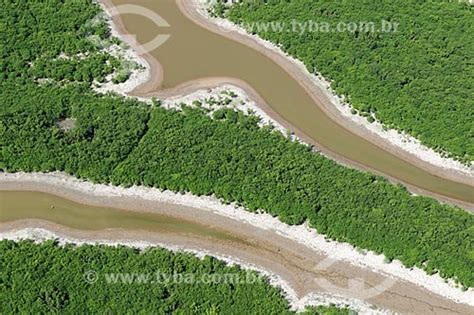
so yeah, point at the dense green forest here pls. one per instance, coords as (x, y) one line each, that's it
(47, 278)
(127, 142)
(328, 310)
(419, 79)
(55, 41)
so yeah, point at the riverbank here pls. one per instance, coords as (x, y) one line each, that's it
(336, 107)
(150, 73)
(152, 88)
(64, 235)
(212, 211)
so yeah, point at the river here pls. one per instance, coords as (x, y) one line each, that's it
(175, 225)
(193, 53)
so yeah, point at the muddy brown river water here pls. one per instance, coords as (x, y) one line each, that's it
(193, 52)
(19, 205)
(181, 226)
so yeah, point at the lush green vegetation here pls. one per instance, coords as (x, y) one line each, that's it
(419, 79)
(61, 41)
(47, 278)
(105, 129)
(328, 310)
(126, 142)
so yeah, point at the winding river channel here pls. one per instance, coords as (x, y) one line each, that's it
(198, 53)
(20, 205)
(76, 215)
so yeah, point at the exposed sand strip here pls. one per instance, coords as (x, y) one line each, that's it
(141, 240)
(209, 211)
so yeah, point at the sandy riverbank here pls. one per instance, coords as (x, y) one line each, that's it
(211, 211)
(317, 86)
(46, 231)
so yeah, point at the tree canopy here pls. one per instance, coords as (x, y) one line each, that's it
(418, 79)
(47, 278)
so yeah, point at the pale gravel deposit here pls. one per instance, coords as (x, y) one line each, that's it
(40, 235)
(138, 76)
(301, 233)
(237, 98)
(399, 139)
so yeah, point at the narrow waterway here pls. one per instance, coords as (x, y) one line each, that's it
(20, 205)
(191, 228)
(193, 52)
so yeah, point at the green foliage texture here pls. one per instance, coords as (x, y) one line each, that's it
(126, 142)
(47, 278)
(419, 79)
